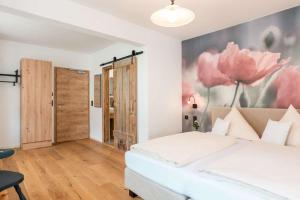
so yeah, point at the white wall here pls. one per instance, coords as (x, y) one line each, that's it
(119, 50)
(161, 104)
(10, 55)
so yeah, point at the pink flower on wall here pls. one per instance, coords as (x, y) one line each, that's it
(288, 90)
(187, 91)
(208, 73)
(247, 66)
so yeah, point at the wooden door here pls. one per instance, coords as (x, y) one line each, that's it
(125, 99)
(71, 104)
(36, 103)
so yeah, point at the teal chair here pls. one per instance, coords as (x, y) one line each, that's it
(10, 179)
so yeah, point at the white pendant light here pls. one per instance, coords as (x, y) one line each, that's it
(172, 16)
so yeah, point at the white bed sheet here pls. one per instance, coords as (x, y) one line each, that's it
(187, 180)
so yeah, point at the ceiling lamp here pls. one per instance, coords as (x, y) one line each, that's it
(172, 16)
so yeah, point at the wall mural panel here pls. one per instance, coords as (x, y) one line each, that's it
(255, 64)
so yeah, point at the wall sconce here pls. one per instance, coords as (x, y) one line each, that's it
(195, 106)
(194, 117)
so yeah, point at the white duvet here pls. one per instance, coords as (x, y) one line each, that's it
(271, 168)
(182, 149)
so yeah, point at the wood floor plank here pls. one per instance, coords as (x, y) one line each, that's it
(78, 170)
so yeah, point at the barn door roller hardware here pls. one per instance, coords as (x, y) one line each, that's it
(115, 59)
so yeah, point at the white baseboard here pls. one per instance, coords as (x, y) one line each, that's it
(11, 146)
(95, 139)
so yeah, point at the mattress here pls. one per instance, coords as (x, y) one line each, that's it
(274, 168)
(189, 182)
(182, 149)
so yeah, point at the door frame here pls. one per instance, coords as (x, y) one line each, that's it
(105, 103)
(55, 99)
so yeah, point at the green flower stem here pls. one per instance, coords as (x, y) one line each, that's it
(235, 93)
(206, 107)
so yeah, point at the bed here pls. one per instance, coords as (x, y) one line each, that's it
(152, 179)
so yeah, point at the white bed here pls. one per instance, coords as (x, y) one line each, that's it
(269, 167)
(189, 182)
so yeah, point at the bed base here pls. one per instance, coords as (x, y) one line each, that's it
(147, 189)
(132, 194)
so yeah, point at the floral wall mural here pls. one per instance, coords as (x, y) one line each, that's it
(256, 64)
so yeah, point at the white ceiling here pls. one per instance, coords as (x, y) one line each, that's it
(211, 15)
(51, 35)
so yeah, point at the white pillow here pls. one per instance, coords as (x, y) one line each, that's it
(276, 132)
(220, 127)
(292, 115)
(239, 127)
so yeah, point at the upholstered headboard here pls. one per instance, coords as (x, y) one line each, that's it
(256, 117)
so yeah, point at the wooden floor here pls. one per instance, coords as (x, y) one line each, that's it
(82, 169)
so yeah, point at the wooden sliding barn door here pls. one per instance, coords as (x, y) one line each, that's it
(125, 101)
(71, 104)
(36, 103)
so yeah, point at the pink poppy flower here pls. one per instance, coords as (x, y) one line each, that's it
(187, 91)
(288, 90)
(208, 73)
(248, 67)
